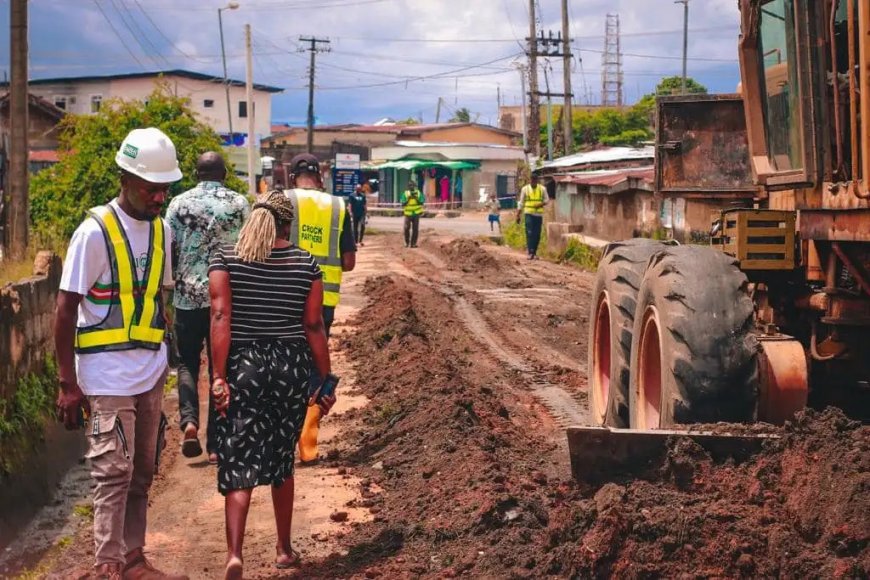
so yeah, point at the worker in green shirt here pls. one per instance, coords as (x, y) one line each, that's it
(412, 201)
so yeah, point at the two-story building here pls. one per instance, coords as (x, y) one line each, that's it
(207, 94)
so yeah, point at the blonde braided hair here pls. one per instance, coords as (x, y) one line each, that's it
(258, 234)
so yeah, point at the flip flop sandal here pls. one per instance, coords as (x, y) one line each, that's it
(295, 560)
(191, 447)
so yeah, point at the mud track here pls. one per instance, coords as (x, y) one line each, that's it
(467, 362)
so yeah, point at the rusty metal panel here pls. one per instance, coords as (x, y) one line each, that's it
(701, 145)
(842, 225)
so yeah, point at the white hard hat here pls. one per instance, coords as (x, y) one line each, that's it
(149, 154)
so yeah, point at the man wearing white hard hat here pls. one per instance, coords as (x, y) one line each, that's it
(111, 351)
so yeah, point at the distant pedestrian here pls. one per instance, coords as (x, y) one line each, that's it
(202, 219)
(266, 330)
(533, 198)
(413, 201)
(494, 216)
(109, 334)
(358, 207)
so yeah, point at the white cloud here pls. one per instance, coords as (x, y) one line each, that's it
(69, 37)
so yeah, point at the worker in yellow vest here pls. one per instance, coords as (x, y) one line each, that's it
(109, 336)
(324, 228)
(533, 198)
(412, 201)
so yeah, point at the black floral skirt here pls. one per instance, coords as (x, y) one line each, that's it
(268, 382)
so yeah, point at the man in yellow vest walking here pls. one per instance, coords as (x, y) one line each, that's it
(323, 227)
(109, 336)
(533, 198)
(412, 201)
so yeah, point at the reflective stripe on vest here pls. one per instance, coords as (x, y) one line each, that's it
(534, 201)
(413, 206)
(317, 228)
(135, 322)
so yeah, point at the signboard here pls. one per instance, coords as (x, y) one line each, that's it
(344, 181)
(346, 161)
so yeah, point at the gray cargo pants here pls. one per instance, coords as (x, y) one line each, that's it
(122, 447)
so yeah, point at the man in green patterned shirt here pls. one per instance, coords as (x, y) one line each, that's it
(201, 219)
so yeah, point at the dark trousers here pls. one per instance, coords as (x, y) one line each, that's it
(412, 229)
(534, 223)
(191, 332)
(359, 227)
(328, 318)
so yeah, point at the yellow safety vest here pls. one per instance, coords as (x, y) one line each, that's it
(317, 228)
(134, 319)
(534, 201)
(413, 206)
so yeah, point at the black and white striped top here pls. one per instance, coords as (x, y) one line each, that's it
(268, 297)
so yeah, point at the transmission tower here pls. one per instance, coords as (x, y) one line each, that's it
(611, 64)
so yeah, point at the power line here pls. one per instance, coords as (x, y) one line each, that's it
(136, 36)
(166, 38)
(118, 35)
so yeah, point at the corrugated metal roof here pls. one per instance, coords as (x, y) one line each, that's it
(611, 180)
(608, 155)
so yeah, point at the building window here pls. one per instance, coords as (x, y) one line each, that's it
(243, 109)
(208, 103)
(96, 103)
(60, 102)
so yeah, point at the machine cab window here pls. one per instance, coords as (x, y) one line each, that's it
(780, 85)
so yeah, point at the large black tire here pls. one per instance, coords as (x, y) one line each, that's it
(611, 323)
(694, 355)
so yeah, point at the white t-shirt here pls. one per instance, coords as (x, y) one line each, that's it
(87, 271)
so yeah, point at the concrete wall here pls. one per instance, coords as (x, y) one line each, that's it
(26, 319)
(62, 94)
(468, 134)
(632, 213)
(198, 91)
(609, 217)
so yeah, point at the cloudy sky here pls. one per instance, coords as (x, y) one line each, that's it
(388, 57)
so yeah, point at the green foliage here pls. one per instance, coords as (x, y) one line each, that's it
(611, 127)
(630, 126)
(461, 115)
(576, 253)
(408, 121)
(674, 85)
(581, 254)
(87, 176)
(24, 417)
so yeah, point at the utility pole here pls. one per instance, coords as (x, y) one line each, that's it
(249, 95)
(313, 43)
(533, 144)
(522, 70)
(438, 112)
(685, 4)
(549, 116)
(17, 212)
(567, 114)
(229, 6)
(550, 46)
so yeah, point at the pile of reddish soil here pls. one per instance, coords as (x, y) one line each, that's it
(799, 509)
(468, 256)
(466, 476)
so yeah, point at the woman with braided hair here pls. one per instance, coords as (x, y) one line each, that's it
(266, 329)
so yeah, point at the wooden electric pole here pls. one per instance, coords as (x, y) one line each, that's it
(16, 211)
(567, 116)
(313, 49)
(534, 124)
(249, 95)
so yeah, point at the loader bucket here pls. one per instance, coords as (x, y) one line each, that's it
(601, 454)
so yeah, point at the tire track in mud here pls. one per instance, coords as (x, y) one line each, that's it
(562, 405)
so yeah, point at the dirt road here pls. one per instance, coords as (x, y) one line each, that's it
(461, 365)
